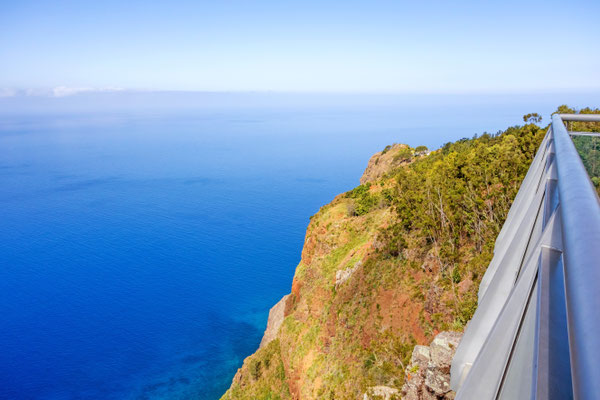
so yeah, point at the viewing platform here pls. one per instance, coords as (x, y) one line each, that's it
(536, 331)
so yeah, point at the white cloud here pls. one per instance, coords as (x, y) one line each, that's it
(35, 92)
(62, 91)
(7, 92)
(59, 91)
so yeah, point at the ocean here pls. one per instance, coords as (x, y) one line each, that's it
(142, 244)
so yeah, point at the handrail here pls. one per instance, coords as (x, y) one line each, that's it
(580, 212)
(578, 117)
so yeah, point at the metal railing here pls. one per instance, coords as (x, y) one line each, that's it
(536, 331)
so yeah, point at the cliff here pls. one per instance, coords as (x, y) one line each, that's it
(386, 160)
(387, 266)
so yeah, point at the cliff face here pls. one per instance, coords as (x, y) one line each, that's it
(276, 315)
(428, 375)
(386, 160)
(385, 267)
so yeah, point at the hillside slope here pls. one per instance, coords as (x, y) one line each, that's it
(387, 266)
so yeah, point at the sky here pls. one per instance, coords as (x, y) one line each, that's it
(307, 46)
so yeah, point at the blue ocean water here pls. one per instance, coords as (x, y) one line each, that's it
(140, 251)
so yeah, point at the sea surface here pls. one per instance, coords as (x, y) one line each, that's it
(141, 247)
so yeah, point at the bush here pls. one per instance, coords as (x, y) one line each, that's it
(364, 201)
(404, 154)
(456, 278)
(466, 309)
(393, 241)
(351, 208)
(255, 369)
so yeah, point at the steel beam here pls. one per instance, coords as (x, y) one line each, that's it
(571, 133)
(577, 117)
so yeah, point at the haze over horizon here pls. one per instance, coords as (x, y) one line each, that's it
(67, 47)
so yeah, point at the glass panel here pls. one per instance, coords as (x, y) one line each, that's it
(589, 151)
(556, 377)
(518, 379)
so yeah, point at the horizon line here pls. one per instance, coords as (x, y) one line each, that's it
(68, 91)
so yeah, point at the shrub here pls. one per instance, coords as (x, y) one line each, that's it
(364, 201)
(404, 154)
(466, 309)
(255, 369)
(456, 278)
(351, 208)
(393, 241)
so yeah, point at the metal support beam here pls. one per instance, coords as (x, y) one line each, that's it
(577, 117)
(571, 133)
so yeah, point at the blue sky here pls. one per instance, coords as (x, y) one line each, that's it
(344, 46)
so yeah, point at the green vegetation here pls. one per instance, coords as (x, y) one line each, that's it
(262, 378)
(364, 200)
(403, 155)
(589, 150)
(532, 118)
(587, 146)
(457, 198)
(386, 149)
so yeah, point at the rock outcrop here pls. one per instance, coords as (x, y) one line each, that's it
(381, 393)
(384, 161)
(428, 375)
(342, 275)
(276, 315)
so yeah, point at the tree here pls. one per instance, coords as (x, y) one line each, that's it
(564, 109)
(421, 150)
(532, 118)
(404, 154)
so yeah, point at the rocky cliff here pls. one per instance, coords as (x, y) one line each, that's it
(428, 374)
(387, 267)
(386, 160)
(276, 315)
